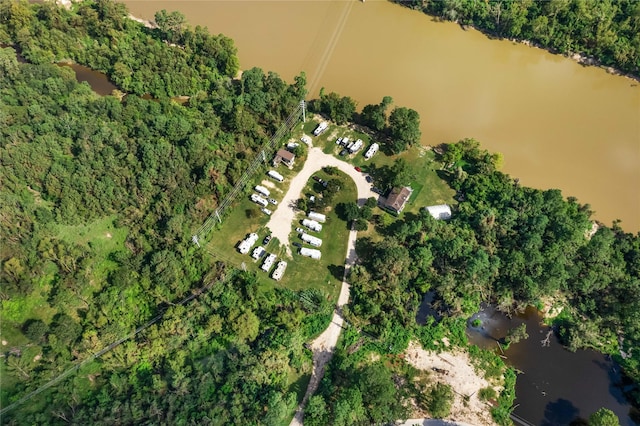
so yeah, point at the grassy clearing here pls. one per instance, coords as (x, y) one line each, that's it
(302, 272)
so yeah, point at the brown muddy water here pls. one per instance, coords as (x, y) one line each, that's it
(554, 386)
(98, 81)
(558, 124)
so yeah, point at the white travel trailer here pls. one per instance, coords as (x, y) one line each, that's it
(312, 253)
(259, 200)
(275, 175)
(321, 128)
(268, 262)
(262, 190)
(279, 271)
(258, 252)
(371, 151)
(310, 239)
(356, 146)
(247, 243)
(319, 217)
(312, 224)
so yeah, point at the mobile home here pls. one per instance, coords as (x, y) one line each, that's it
(371, 151)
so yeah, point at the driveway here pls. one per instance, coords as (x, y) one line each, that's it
(282, 217)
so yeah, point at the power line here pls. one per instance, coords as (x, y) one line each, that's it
(108, 348)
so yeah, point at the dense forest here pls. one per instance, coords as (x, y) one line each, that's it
(98, 198)
(608, 31)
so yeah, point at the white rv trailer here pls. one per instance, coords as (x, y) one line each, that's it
(279, 271)
(312, 253)
(319, 217)
(321, 128)
(310, 239)
(356, 146)
(247, 243)
(312, 224)
(275, 175)
(262, 190)
(268, 262)
(259, 200)
(371, 151)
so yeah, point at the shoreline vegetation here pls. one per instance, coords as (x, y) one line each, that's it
(601, 34)
(100, 192)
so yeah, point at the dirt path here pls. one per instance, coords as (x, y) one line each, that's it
(282, 217)
(324, 345)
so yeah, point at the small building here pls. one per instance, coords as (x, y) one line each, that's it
(312, 224)
(275, 175)
(259, 200)
(247, 243)
(268, 262)
(284, 156)
(371, 151)
(262, 190)
(319, 217)
(310, 239)
(279, 271)
(397, 199)
(441, 211)
(321, 128)
(312, 253)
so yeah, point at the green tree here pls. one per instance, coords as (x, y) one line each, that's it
(35, 330)
(404, 129)
(604, 417)
(440, 397)
(375, 116)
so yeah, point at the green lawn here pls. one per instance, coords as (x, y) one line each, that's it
(302, 272)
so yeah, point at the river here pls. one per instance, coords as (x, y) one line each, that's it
(558, 124)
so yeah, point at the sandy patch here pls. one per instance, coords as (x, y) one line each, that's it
(4, 343)
(108, 235)
(268, 184)
(455, 369)
(37, 358)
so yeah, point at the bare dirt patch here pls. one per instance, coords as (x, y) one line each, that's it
(454, 368)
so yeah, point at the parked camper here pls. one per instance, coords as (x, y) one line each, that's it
(266, 211)
(356, 146)
(279, 271)
(371, 151)
(275, 175)
(247, 243)
(258, 252)
(345, 141)
(312, 253)
(321, 128)
(262, 190)
(310, 239)
(319, 217)
(312, 224)
(259, 200)
(292, 145)
(268, 262)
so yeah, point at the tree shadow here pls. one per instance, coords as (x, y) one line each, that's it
(337, 271)
(559, 412)
(615, 379)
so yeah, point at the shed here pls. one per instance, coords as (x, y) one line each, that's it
(397, 199)
(284, 156)
(441, 211)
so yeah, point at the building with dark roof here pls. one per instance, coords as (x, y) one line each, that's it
(397, 199)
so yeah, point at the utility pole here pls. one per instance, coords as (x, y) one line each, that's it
(218, 216)
(304, 116)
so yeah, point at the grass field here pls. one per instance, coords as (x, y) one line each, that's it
(302, 272)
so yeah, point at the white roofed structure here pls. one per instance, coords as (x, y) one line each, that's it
(441, 211)
(318, 217)
(310, 239)
(247, 243)
(321, 128)
(262, 190)
(259, 200)
(275, 175)
(371, 151)
(312, 224)
(268, 262)
(258, 252)
(312, 253)
(279, 271)
(356, 146)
